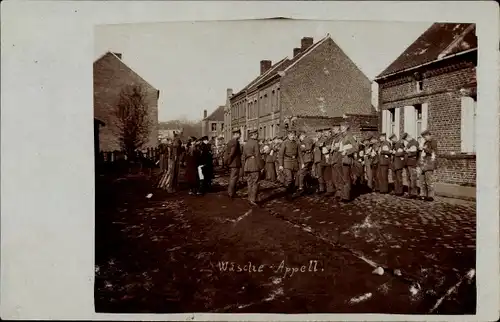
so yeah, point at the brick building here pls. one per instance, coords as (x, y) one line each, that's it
(432, 85)
(111, 75)
(317, 88)
(213, 125)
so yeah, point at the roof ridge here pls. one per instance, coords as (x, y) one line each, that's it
(121, 61)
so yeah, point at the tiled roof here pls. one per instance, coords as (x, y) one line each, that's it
(217, 115)
(441, 39)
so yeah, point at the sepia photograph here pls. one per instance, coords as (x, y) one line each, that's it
(285, 166)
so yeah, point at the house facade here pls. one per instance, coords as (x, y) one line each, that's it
(318, 88)
(432, 85)
(111, 76)
(213, 125)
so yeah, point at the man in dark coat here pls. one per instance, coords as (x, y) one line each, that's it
(306, 150)
(253, 166)
(207, 164)
(428, 166)
(192, 163)
(385, 152)
(411, 151)
(398, 163)
(233, 161)
(373, 160)
(289, 158)
(176, 157)
(348, 148)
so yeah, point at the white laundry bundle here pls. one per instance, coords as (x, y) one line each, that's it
(200, 172)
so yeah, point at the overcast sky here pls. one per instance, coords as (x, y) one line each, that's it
(193, 63)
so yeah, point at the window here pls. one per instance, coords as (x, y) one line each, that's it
(392, 122)
(418, 118)
(420, 86)
(214, 127)
(468, 124)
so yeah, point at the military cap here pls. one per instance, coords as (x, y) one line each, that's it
(426, 132)
(237, 131)
(204, 138)
(393, 136)
(404, 136)
(252, 132)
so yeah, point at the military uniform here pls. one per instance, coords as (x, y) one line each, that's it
(336, 164)
(253, 166)
(398, 164)
(270, 158)
(316, 170)
(411, 162)
(428, 165)
(306, 150)
(290, 158)
(374, 161)
(349, 148)
(233, 161)
(385, 148)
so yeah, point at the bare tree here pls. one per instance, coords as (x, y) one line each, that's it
(132, 118)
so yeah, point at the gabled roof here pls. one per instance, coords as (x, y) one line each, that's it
(217, 115)
(110, 54)
(441, 40)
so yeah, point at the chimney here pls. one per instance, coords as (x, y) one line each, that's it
(306, 42)
(229, 92)
(119, 55)
(204, 114)
(296, 51)
(265, 65)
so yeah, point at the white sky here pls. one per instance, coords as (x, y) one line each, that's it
(193, 63)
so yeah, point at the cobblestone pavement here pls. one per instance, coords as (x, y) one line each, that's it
(168, 253)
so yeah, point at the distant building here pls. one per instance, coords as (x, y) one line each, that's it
(111, 75)
(318, 88)
(213, 125)
(169, 133)
(432, 85)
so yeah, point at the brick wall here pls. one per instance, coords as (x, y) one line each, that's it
(325, 83)
(110, 77)
(441, 91)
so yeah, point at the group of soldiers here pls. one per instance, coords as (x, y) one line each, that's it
(334, 162)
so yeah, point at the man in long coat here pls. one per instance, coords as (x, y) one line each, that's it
(348, 148)
(398, 163)
(306, 150)
(253, 166)
(290, 159)
(428, 166)
(411, 162)
(385, 152)
(176, 158)
(233, 161)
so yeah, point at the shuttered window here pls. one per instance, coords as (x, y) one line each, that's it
(415, 119)
(468, 124)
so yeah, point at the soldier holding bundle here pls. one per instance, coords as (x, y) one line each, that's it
(252, 166)
(306, 150)
(349, 147)
(428, 166)
(233, 161)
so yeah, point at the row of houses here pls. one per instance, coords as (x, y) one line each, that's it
(431, 85)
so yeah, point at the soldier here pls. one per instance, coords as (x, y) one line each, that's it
(269, 159)
(398, 163)
(317, 158)
(242, 170)
(289, 158)
(385, 149)
(374, 160)
(306, 150)
(233, 161)
(411, 162)
(349, 147)
(253, 166)
(336, 163)
(427, 165)
(277, 146)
